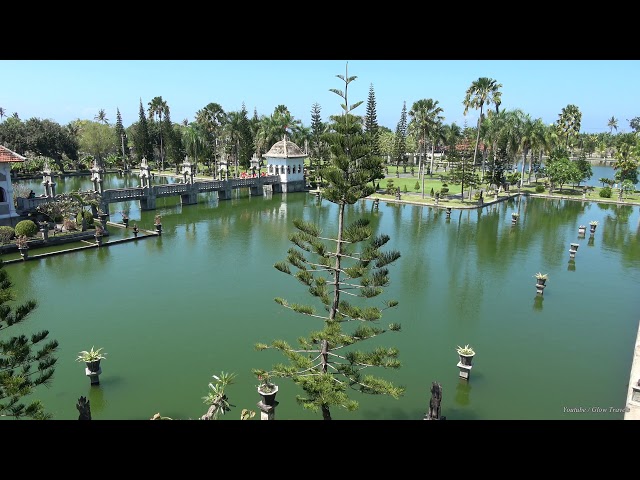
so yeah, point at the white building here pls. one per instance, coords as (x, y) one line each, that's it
(287, 160)
(8, 212)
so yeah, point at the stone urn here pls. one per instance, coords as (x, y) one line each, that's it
(466, 355)
(93, 366)
(268, 397)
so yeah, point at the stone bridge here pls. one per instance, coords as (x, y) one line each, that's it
(147, 195)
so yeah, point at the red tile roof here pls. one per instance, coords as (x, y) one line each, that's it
(7, 156)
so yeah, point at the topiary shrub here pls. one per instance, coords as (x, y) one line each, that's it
(27, 228)
(6, 233)
(88, 218)
(69, 225)
(605, 192)
(444, 190)
(539, 188)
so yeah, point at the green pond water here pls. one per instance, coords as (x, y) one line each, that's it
(171, 311)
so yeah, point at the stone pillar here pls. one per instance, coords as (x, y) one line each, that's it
(93, 374)
(465, 364)
(44, 229)
(145, 174)
(573, 248)
(97, 177)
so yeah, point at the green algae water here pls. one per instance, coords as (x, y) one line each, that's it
(173, 310)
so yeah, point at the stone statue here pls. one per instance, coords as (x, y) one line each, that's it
(84, 408)
(434, 403)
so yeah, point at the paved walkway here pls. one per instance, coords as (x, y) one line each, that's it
(634, 377)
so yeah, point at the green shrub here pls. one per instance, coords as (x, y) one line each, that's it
(605, 192)
(88, 218)
(404, 189)
(539, 188)
(27, 228)
(444, 190)
(416, 187)
(6, 233)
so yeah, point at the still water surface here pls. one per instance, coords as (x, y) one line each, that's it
(174, 310)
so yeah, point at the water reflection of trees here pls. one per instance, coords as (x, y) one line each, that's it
(617, 234)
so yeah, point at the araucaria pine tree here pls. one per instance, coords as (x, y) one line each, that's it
(342, 272)
(25, 362)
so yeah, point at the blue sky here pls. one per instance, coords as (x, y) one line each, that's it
(66, 90)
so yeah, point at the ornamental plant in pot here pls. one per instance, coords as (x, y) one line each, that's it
(541, 278)
(125, 216)
(266, 388)
(22, 244)
(466, 354)
(92, 358)
(592, 225)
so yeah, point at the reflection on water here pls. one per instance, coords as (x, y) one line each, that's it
(174, 310)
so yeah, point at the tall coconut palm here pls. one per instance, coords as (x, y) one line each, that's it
(612, 124)
(102, 117)
(538, 143)
(157, 108)
(212, 118)
(484, 91)
(194, 141)
(425, 114)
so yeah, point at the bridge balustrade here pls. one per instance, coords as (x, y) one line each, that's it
(113, 195)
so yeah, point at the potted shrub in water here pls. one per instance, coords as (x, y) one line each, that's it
(266, 389)
(466, 354)
(98, 234)
(125, 217)
(592, 225)
(92, 358)
(23, 246)
(158, 223)
(541, 278)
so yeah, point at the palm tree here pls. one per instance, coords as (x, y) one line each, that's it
(425, 114)
(158, 107)
(2, 113)
(212, 118)
(233, 131)
(568, 123)
(102, 117)
(538, 143)
(195, 142)
(483, 91)
(612, 124)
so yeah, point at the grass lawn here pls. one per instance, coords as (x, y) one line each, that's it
(415, 196)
